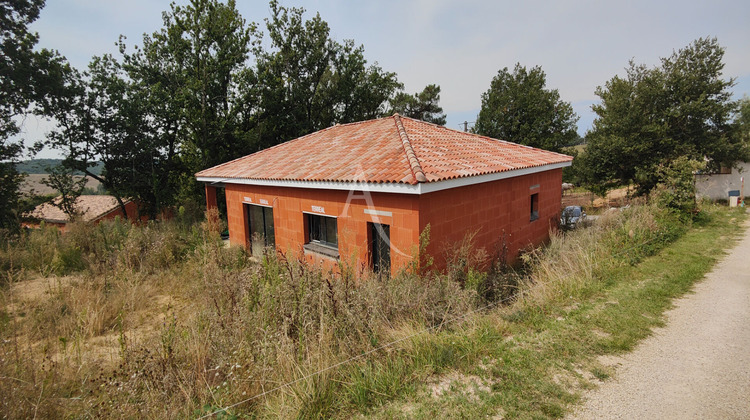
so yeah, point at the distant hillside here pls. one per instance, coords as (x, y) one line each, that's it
(39, 166)
(33, 185)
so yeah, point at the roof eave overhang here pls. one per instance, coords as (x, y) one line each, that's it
(386, 187)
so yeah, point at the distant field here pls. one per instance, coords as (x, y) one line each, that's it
(579, 148)
(40, 166)
(33, 182)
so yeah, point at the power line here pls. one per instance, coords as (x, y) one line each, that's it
(466, 124)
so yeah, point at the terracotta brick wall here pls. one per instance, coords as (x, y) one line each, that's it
(210, 197)
(131, 209)
(491, 209)
(290, 204)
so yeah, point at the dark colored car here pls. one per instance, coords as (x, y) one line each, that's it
(571, 217)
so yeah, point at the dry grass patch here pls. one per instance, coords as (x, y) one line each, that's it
(163, 321)
(456, 382)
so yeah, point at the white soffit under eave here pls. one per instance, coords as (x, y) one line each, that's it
(395, 188)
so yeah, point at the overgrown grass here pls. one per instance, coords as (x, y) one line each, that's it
(593, 293)
(163, 321)
(159, 321)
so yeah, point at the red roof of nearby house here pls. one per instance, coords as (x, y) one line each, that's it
(91, 207)
(394, 149)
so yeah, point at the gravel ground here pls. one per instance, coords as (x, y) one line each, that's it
(698, 365)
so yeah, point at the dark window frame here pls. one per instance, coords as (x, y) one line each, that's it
(319, 229)
(380, 258)
(534, 207)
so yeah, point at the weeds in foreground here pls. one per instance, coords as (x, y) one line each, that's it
(159, 321)
(163, 321)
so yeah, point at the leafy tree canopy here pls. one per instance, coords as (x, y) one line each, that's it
(207, 88)
(191, 78)
(519, 108)
(100, 120)
(306, 81)
(63, 180)
(653, 116)
(742, 121)
(26, 78)
(423, 105)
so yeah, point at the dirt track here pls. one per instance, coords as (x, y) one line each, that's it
(698, 366)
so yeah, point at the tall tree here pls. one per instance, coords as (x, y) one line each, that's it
(307, 82)
(196, 63)
(154, 79)
(360, 92)
(99, 120)
(423, 105)
(292, 74)
(187, 99)
(26, 77)
(653, 116)
(519, 108)
(166, 111)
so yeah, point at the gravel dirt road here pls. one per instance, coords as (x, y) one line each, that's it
(698, 365)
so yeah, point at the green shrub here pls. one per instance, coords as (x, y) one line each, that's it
(99, 242)
(66, 260)
(572, 262)
(676, 189)
(100, 247)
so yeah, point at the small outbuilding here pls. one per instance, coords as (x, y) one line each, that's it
(362, 193)
(726, 183)
(92, 208)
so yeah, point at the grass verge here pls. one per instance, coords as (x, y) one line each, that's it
(534, 358)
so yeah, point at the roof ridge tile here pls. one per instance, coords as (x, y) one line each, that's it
(416, 168)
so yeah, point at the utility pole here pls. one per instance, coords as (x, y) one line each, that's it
(466, 126)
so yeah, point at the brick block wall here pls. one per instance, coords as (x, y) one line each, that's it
(290, 204)
(492, 210)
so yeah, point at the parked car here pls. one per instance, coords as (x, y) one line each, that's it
(571, 217)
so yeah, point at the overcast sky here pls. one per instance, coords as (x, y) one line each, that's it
(459, 45)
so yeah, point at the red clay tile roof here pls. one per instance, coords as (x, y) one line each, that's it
(394, 149)
(92, 207)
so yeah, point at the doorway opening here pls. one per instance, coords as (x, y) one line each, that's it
(380, 248)
(260, 228)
